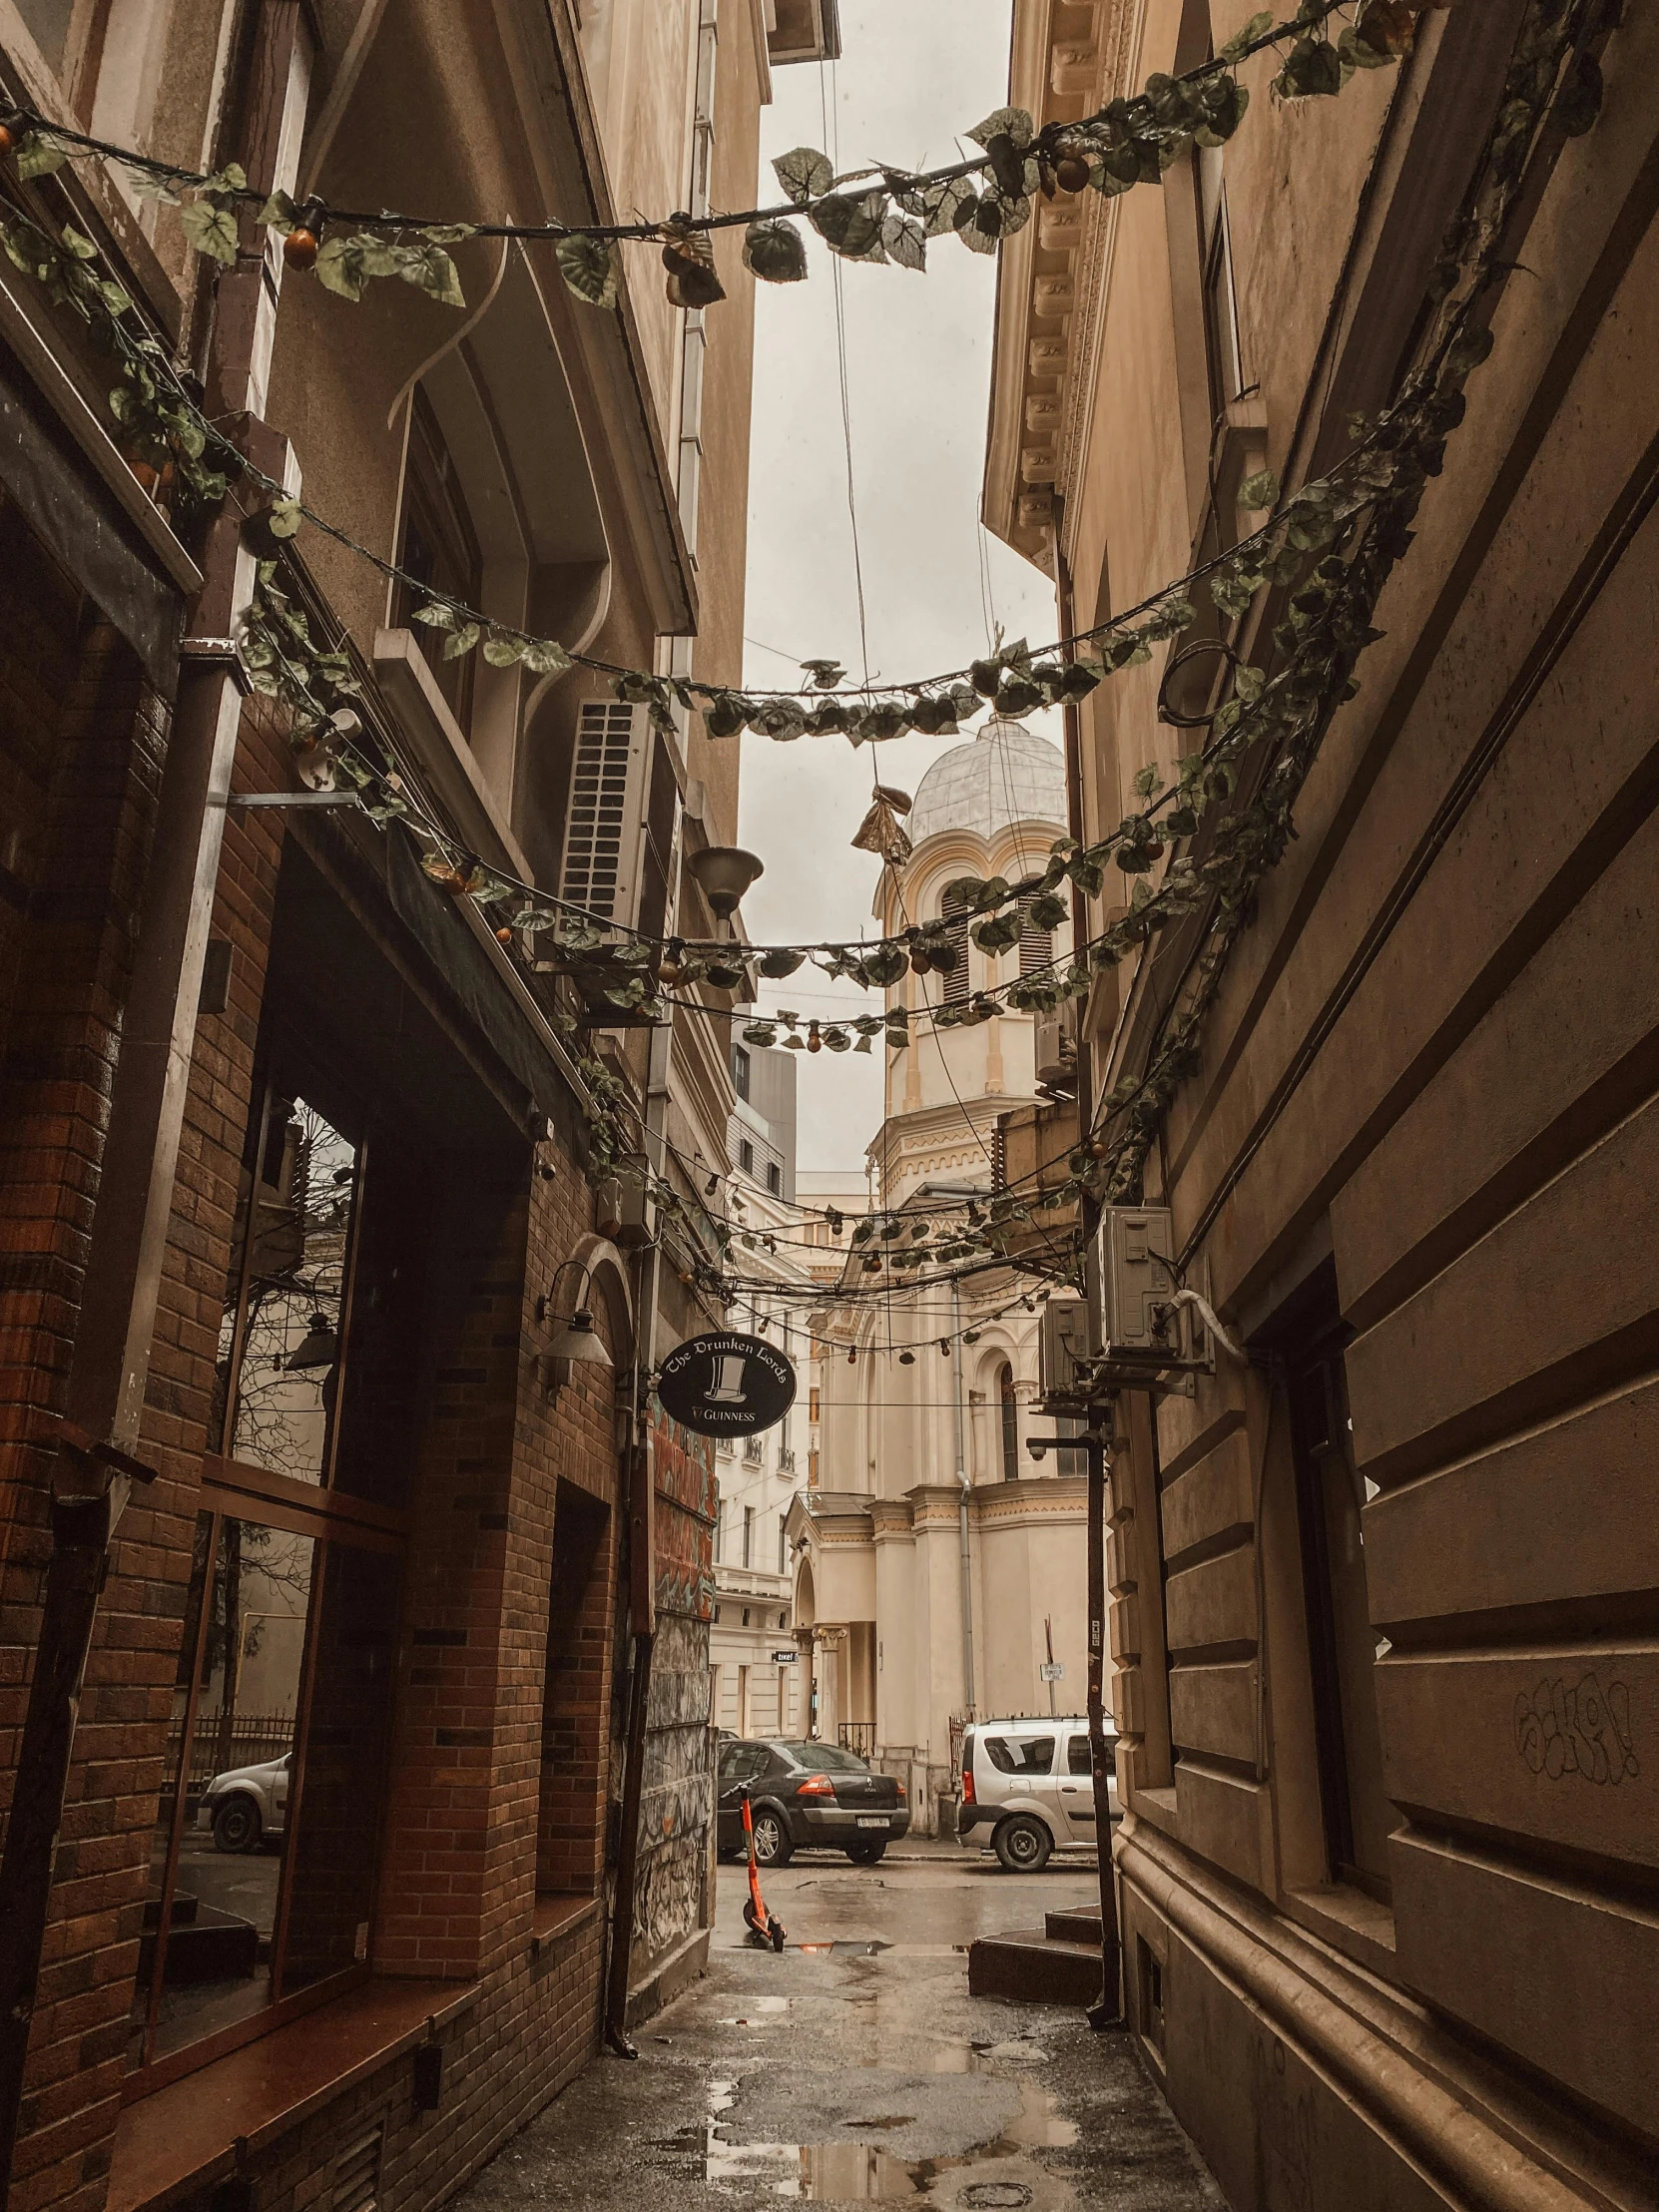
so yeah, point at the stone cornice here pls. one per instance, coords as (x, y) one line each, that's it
(1069, 58)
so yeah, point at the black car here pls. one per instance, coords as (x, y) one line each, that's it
(804, 1793)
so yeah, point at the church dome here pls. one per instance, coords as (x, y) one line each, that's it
(1006, 775)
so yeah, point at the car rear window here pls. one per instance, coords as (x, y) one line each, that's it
(1021, 1754)
(824, 1758)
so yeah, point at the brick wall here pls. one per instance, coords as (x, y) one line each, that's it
(470, 1818)
(82, 739)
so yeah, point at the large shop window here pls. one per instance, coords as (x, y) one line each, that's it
(263, 1861)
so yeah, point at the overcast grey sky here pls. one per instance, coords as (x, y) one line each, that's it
(914, 74)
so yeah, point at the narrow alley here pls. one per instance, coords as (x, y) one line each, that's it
(856, 2068)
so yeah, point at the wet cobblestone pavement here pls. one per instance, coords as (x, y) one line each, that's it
(856, 2069)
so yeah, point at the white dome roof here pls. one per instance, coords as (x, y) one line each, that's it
(1006, 775)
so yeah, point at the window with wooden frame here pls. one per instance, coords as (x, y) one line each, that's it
(439, 548)
(1343, 1646)
(1008, 1413)
(262, 1859)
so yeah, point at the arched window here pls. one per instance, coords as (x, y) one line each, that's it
(957, 910)
(1010, 1423)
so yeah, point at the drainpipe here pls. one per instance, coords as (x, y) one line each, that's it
(962, 1509)
(642, 1571)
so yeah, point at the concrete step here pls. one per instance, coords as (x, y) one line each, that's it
(1030, 1967)
(1079, 1924)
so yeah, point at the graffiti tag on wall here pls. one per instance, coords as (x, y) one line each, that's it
(1580, 1730)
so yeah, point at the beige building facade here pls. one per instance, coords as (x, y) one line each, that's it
(933, 1549)
(1383, 1605)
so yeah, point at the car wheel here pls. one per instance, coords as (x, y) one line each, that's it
(866, 1854)
(773, 1847)
(237, 1825)
(1023, 1844)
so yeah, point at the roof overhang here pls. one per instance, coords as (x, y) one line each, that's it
(1066, 61)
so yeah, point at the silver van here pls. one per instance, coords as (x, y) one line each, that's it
(1029, 1782)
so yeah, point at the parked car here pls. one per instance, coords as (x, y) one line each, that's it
(1029, 1782)
(246, 1806)
(806, 1793)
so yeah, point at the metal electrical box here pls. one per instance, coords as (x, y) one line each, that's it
(1138, 1282)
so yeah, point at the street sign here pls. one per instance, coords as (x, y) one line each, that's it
(786, 1658)
(726, 1384)
(1052, 1670)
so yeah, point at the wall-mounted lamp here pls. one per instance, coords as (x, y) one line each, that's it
(319, 1348)
(576, 1341)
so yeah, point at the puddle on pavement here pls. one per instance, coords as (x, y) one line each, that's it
(843, 2172)
(851, 1946)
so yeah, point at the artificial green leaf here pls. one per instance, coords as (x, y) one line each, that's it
(78, 244)
(850, 224)
(1224, 103)
(149, 186)
(1007, 165)
(1246, 36)
(805, 174)
(502, 651)
(1259, 492)
(544, 655)
(1148, 781)
(979, 226)
(448, 234)
(436, 615)
(775, 251)
(431, 269)
(231, 177)
(906, 241)
(280, 213)
(339, 268)
(944, 202)
(590, 268)
(462, 641)
(37, 156)
(282, 517)
(1013, 123)
(1313, 68)
(114, 299)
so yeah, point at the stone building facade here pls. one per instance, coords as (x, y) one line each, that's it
(932, 1551)
(1382, 1596)
(328, 1592)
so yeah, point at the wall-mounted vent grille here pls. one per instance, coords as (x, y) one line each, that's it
(358, 2173)
(602, 835)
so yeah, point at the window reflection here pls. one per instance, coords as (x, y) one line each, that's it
(232, 1767)
(286, 1311)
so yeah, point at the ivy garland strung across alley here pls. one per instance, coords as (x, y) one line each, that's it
(1330, 549)
(880, 213)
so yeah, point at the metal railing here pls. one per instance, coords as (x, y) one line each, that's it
(857, 1735)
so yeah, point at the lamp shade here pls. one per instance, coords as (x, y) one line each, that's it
(577, 1341)
(724, 873)
(319, 1348)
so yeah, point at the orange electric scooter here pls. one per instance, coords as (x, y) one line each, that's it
(765, 1926)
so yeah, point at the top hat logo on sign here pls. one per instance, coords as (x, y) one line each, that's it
(726, 1384)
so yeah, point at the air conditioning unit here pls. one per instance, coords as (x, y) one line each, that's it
(1056, 1043)
(1063, 1349)
(605, 827)
(1137, 1280)
(1147, 1328)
